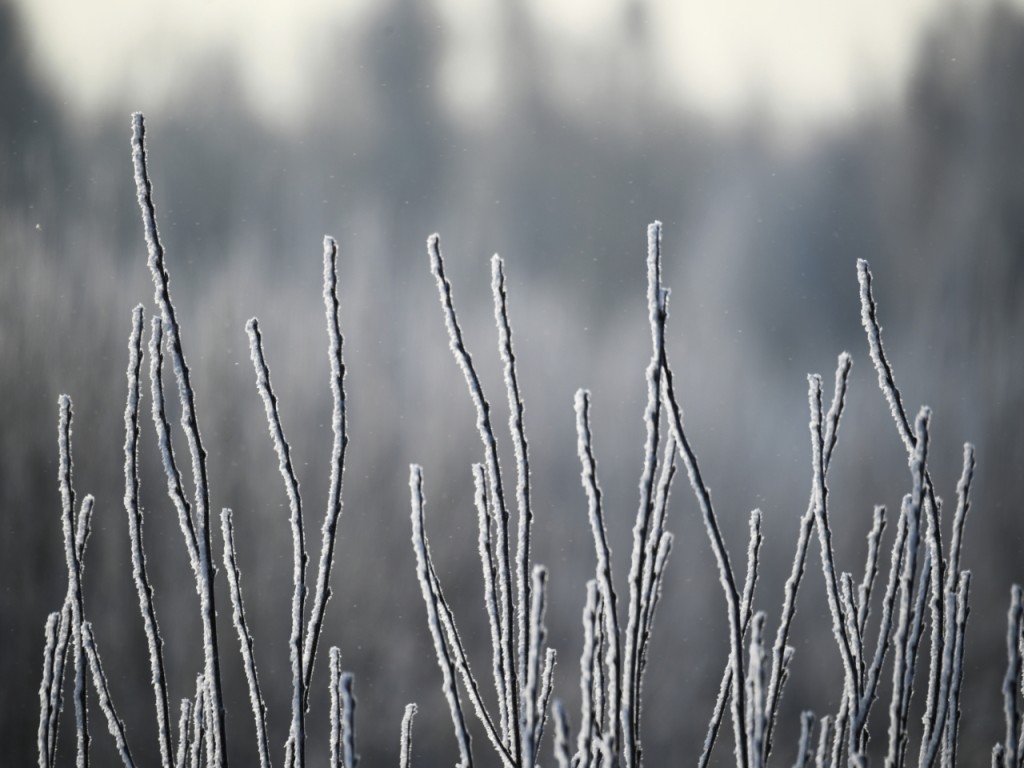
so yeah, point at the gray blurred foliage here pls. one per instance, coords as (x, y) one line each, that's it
(761, 241)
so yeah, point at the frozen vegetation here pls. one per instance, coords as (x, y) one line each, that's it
(901, 617)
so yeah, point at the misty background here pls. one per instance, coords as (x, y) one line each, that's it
(777, 145)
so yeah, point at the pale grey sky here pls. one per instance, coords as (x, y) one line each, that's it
(802, 60)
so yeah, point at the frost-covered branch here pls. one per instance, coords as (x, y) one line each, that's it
(339, 428)
(131, 504)
(245, 641)
(190, 426)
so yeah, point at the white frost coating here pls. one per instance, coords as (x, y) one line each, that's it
(339, 428)
(198, 737)
(348, 720)
(828, 565)
(291, 482)
(82, 532)
(491, 596)
(139, 574)
(887, 382)
(588, 476)
(839, 728)
(952, 575)
(858, 721)
(605, 719)
(936, 720)
(870, 569)
(536, 636)
(515, 425)
(57, 685)
(920, 473)
(245, 641)
(289, 749)
(941, 646)
(963, 504)
(824, 734)
(334, 684)
(753, 550)
(483, 424)
(99, 680)
(661, 556)
(460, 660)
(190, 426)
(183, 723)
(758, 675)
(660, 560)
(956, 681)
(649, 590)
(405, 744)
(444, 659)
(725, 686)
(803, 750)
(835, 411)
(937, 575)
(941, 621)
(1013, 672)
(49, 651)
(163, 434)
(406, 740)
(725, 572)
(869, 319)
(652, 418)
(902, 639)
(55, 690)
(547, 686)
(561, 735)
(848, 602)
(588, 727)
(792, 587)
(67, 494)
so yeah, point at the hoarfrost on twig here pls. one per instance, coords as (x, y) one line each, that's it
(190, 426)
(405, 745)
(74, 566)
(245, 641)
(114, 723)
(487, 438)
(339, 428)
(139, 573)
(444, 658)
(283, 450)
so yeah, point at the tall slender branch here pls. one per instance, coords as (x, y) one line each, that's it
(190, 425)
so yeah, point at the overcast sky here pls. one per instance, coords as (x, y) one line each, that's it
(799, 59)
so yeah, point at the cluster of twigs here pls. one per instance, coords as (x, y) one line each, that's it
(523, 671)
(201, 738)
(922, 580)
(925, 584)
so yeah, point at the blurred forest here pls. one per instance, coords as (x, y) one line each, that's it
(762, 232)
